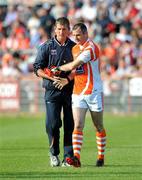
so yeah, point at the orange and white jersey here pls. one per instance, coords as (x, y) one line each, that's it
(87, 78)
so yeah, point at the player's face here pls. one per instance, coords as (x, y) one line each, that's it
(61, 32)
(79, 36)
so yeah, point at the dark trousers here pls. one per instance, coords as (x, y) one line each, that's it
(54, 105)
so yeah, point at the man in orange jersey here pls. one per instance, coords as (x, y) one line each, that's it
(87, 92)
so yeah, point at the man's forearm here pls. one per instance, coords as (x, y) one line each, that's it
(70, 66)
(66, 67)
(42, 74)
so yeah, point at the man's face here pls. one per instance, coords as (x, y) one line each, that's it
(61, 32)
(79, 36)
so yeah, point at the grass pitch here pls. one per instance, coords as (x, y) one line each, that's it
(24, 150)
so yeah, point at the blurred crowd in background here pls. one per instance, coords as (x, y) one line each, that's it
(115, 25)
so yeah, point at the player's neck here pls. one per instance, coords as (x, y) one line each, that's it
(61, 41)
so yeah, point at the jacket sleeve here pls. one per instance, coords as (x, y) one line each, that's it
(41, 60)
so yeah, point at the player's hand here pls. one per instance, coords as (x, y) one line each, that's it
(56, 71)
(60, 82)
(53, 71)
(48, 72)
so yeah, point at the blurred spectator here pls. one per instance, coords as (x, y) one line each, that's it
(2, 13)
(90, 7)
(47, 21)
(59, 9)
(123, 35)
(43, 35)
(33, 25)
(8, 69)
(115, 25)
(11, 15)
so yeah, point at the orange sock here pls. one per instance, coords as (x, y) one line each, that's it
(77, 142)
(101, 143)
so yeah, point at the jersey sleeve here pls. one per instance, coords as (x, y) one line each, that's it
(41, 59)
(90, 53)
(85, 56)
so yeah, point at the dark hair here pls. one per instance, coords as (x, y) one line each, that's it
(81, 26)
(63, 21)
(16, 54)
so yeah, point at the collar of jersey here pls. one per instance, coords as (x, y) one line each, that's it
(83, 46)
(55, 39)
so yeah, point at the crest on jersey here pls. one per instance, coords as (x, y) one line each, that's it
(80, 70)
(53, 52)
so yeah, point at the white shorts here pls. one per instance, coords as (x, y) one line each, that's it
(93, 102)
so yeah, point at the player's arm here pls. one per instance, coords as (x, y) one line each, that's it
(41, 73)
(40, 63)
(84, 57)
(70, 66)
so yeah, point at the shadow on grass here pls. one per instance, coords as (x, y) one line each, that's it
(124, 166)
(67, 175)
(22, 148)
(114, 166)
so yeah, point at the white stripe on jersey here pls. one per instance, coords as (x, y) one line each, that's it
(93, 49)
(85, 56)
(97, 82)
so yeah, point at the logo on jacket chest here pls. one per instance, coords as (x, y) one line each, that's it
(53, 52)
(80, 70)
